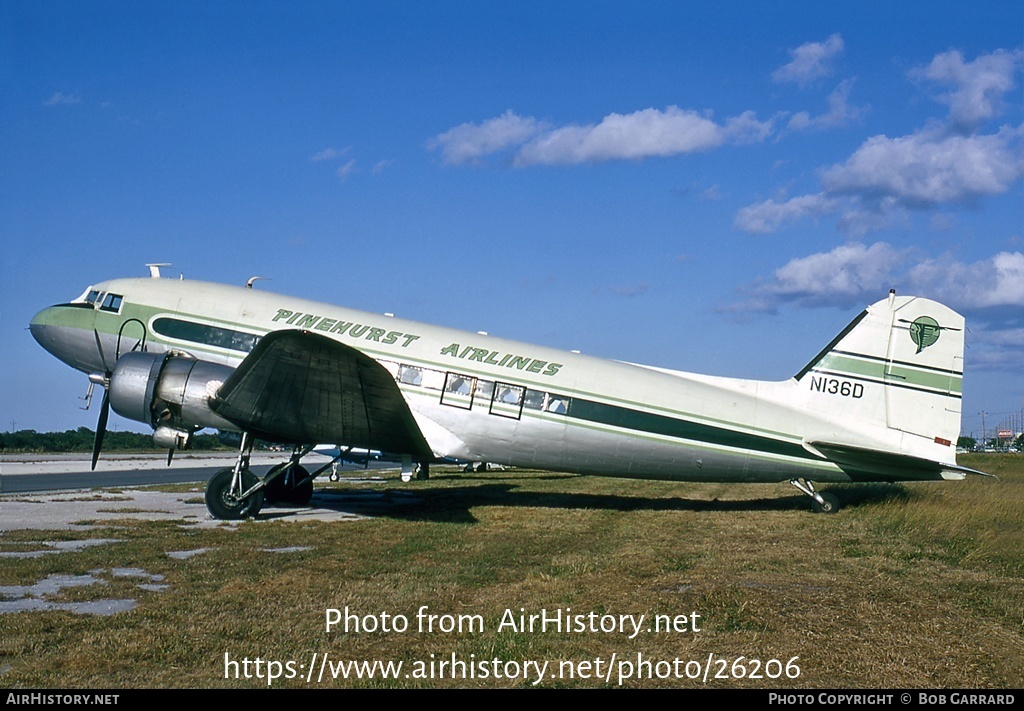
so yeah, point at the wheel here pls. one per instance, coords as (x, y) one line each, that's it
(282, 489)
(300, 494)
(224, 505)
(423, 471)
(830, 506)
(274, 491)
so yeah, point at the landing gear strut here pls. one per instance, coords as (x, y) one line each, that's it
(823, 502)
(235, 493)
(290, 483)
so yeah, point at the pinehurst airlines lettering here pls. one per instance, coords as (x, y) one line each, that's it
(503, 360)
(314, 322)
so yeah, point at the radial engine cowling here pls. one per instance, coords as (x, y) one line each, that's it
(168, 391)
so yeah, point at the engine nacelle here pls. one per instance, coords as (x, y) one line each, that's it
(170, 392)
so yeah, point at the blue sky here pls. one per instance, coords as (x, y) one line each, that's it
(710, 187)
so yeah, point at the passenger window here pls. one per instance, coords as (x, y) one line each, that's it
(508, 400)
(534, 399)
(433, 379)
(409, 375)
(484, 389)
(458, 390)
(556, 403)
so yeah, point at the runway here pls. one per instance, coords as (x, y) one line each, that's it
(56, 481)
(58, 472)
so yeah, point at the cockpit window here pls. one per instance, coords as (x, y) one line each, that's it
(92, 296)
(112, 303)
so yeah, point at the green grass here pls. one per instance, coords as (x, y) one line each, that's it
(911, 585)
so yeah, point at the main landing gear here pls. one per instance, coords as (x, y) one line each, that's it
(236, 493)
(823, 502)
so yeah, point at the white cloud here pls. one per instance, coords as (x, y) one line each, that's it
(642, 134)
(934, 167)
(991, 283)
(978, 86)
(330, 154)
(770, 215)
(745, 128)
(937, 166)
(712, 193)
(469, 142)
(928, 168)
(840, 111)
(59, 98)
(855, 273)
(347, 169)
(843, 275)
(810, 61)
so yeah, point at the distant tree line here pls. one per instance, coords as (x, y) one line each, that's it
(81, 440)
(970, 443)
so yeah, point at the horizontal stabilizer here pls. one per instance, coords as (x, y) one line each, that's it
(872, 464)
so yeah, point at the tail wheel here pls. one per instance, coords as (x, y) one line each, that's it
(830, 504)
(225, 505)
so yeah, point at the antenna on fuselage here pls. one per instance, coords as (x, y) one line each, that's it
(252, 280)
(154, 269)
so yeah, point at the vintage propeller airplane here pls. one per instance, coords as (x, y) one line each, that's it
(879, 403)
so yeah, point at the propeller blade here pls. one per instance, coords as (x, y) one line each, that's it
(101, 428)
(170, 456)
(103, 356)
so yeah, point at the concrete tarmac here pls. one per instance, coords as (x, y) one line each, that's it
(53, 472)
(50, 492)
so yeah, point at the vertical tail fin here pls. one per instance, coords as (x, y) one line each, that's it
(898, 364)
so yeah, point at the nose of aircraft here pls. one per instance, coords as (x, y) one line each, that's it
(66, 332)
(42, 328)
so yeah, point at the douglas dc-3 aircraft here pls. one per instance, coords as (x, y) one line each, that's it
(881, 402)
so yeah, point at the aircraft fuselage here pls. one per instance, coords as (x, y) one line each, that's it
(478, 397)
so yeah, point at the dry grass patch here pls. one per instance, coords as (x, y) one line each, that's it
(908, 586)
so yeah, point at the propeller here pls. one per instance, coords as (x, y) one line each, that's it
(101, 427)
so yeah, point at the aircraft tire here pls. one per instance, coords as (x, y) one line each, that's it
(301, 494)
(225, 507)
(274, 491)
(831, 505)
(281, 491)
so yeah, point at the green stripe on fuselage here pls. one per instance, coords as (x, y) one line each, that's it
(630, 419)
(934, 380)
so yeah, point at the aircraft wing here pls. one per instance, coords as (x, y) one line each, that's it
(901, 467)
(301, 387)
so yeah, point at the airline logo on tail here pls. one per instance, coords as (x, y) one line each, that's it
(924, 332)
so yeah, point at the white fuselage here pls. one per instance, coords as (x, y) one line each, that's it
(478, 397)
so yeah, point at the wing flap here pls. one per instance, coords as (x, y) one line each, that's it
(301, 387)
